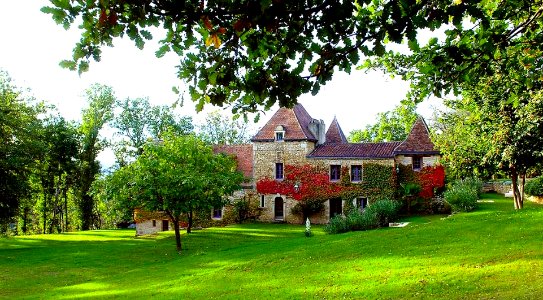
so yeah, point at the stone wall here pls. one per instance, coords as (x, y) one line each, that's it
(430, 160)
(268, 211)
(266, 154)
(146, 226)
(497, 186)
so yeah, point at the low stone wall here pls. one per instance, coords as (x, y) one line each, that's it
(497, 186)
(536, 199)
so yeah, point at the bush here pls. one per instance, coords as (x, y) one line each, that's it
(440, 206)
(475, 184)
(378, 214)
(385, 211)
(463, 194)
(338, 224)
(534, 187)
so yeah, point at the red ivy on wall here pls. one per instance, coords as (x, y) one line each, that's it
(313, 182)
(430, 178)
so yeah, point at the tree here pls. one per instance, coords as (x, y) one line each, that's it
(163, 121)
(100, 99)
(56, 170)
(138, 121)
(464, 140)
(392, 125)
(19, 147)
(132, 122)
(222, 130)
(252, 54)
(179, 175)
(494, 60)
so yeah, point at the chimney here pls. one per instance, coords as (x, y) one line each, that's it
(317, 128)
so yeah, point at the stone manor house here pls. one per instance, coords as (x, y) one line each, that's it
(293, 137)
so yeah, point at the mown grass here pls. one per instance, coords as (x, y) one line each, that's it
(492, 253)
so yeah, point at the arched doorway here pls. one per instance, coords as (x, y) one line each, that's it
(278, 209)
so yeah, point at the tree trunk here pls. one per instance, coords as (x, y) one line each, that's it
(516, 193)
(521, 189)
(175, 221)
(44, 212)
(189, 227)
(177, 235)
(65, 209)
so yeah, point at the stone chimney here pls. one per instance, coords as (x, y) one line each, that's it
(317, 128)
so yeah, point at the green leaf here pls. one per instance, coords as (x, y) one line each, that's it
(413, 45)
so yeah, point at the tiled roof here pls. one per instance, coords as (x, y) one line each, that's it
(295, 121)
(359, 150)
(418, 141)
(243, 155)
(335, 134)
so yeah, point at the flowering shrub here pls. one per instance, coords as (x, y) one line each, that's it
(430, 178)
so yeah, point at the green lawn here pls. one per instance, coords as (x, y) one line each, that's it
(492, 253)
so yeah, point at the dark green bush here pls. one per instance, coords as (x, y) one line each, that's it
(338, 224)
(378, 214)
(385, 211)
(440, 206)
(463, 195)
(534, 187)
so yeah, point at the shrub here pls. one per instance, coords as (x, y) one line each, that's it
(338, 224)
(385, 211)
(378, 214)
(463, 194)
(475, 184)
(440, 206)
(534, 187)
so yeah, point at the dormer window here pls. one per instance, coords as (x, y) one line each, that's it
(417, 163)
(279, 133)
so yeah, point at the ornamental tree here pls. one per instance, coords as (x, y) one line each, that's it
(179, 175)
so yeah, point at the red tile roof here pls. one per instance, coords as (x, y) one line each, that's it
(418, 141)
(295, 122)
(359, 150)
(334, 134)
(243, 155)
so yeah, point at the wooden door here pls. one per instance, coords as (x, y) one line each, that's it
(165, 225)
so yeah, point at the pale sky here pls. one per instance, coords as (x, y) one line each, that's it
(32, 45)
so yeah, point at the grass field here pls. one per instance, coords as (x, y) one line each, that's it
(492, 253)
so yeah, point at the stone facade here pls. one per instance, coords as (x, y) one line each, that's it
(267, 154)
(152, 226)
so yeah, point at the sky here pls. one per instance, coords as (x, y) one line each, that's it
(32, 45)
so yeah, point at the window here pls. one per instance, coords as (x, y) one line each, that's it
(154, 223)
(217, 213)
(335, 172)
(361, 203)
(262, 201)
(279, 171)
(279, 133)
(417, 162)
(356, 173)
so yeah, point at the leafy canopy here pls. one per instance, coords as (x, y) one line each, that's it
(251, 54)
